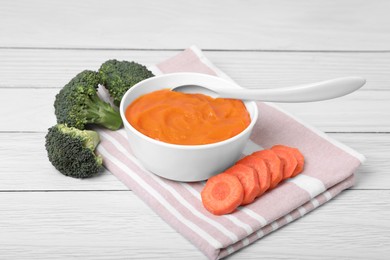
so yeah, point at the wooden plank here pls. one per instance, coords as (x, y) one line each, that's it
(117, 225)
(375, 147)
(32, 110)
(362, 111)
(88, 225)
(54, 68)
(274, 25)
(24, 164)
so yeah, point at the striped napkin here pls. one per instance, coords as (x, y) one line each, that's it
(328, 170)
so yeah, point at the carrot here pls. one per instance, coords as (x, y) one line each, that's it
(222, 194)
(289, 162)
(249, 181)
(261, 169)
(274, 165)
(297, 154)
(250, 177)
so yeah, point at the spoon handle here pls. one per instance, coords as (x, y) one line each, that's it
(302, 93)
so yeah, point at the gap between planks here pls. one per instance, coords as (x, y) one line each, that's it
(179, 49)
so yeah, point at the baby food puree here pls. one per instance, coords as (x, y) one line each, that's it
(187, 119)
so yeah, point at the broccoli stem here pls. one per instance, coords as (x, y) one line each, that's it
(92, 141)
(110, 118)
(100, 112)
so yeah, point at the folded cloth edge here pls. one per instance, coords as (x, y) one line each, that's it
(295, 214)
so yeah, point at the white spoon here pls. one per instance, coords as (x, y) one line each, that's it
(302, 93)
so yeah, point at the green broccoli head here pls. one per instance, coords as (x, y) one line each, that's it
(77, 104)
(71, 151)
(119, 76)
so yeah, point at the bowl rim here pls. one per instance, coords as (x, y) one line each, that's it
(180, 146)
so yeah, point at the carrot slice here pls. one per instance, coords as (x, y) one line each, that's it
(249, 180)
(274, 165)
(261, 168)
(289, 162)
(222, 194)
(297, 154)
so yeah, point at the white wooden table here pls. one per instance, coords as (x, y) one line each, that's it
(265, 44)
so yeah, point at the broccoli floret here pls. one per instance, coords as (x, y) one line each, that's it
(77, 104)
(71, 151)
(118, 76)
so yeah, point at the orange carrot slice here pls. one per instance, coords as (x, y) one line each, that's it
(274, 165)
(289, 162)
(249, 181)
(261, 169)
(222, 194)
(297, 154)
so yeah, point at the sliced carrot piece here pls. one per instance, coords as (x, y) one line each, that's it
(249, 180)
(274, 165)
(297, 154)
(261, 169)
(289, 162)
(222, 194)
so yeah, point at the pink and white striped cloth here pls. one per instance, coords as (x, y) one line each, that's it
(328, 170)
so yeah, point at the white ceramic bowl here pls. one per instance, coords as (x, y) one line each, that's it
(184, 162)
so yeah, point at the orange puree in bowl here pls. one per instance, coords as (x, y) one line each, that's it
(187, 119)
